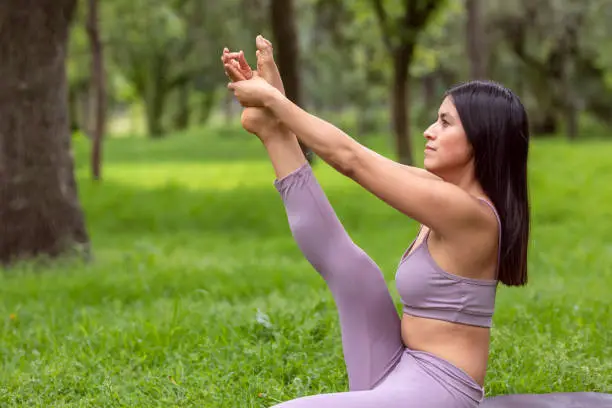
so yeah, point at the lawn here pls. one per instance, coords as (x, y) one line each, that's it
(198, 295)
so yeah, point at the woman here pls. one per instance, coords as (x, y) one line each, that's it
(471, 200)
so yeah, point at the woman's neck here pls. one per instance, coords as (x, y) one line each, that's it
(465, 178)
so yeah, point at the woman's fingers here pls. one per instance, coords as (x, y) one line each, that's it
(244, 65)
(233, 55)
(234, 72)
(227, 55)
(224, 54)
(237, 59)
(261, 41)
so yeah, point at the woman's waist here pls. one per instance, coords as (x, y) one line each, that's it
(466, 347)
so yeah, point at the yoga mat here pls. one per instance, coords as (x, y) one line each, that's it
(551, 400)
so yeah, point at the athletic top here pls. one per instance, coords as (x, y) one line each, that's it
(426, 290)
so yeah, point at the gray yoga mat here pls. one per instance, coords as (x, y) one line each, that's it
(551, 400)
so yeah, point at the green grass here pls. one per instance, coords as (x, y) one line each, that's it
(198, 296)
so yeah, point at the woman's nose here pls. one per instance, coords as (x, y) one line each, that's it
(428, 133)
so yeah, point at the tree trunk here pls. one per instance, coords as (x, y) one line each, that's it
(571, 104)
(545, 123)
(282, 16)
(206, 105)
(98, 87)
(156, 96)
(572, 120)
(39, 209)
(416, 16)
(476, 46)
(401, 104)
(181, 118)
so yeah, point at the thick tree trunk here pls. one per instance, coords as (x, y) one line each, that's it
(39, 209)
(282, 16)
(401, 104)
(98, 88)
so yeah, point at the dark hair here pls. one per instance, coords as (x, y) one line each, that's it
(497, 127)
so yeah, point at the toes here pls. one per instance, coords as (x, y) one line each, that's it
(267, 42)
(263, 45)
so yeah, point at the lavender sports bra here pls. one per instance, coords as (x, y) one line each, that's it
(426, 290)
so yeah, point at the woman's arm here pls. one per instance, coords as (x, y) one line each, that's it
(426, 198)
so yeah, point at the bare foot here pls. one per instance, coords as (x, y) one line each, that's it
(257, 121)
(266, 66)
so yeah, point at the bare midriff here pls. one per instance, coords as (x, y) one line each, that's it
(466, 347)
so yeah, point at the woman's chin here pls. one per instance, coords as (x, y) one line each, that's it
(431, 167)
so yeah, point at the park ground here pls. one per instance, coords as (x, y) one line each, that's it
(198, 296)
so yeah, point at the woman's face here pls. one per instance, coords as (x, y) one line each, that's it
(447, 149)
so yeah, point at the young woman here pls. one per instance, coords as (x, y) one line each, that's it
(471, 200)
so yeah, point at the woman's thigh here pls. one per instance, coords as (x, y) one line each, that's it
(416, 395)
(407, 385)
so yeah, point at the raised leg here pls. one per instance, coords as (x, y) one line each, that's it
(370, 324)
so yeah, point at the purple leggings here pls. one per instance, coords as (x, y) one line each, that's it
(382, 372)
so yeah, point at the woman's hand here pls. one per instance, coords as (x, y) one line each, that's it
(254, 92)
(258, 121)
(236, 59)
(266, 66)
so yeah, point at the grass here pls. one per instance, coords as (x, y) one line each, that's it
(198, 296)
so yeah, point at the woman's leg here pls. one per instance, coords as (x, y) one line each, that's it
(370, 324)
(417, 398)
(411, 384)
(353, 399)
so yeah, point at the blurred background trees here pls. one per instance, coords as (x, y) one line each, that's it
(372, 64)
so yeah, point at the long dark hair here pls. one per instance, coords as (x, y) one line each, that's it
(497, 127)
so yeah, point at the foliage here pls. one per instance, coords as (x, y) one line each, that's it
(166, 52)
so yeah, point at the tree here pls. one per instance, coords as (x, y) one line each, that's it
(545, 36)
(97, 86)
(475, 36)
(40, 212)
(282, 17)
(400, 36)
